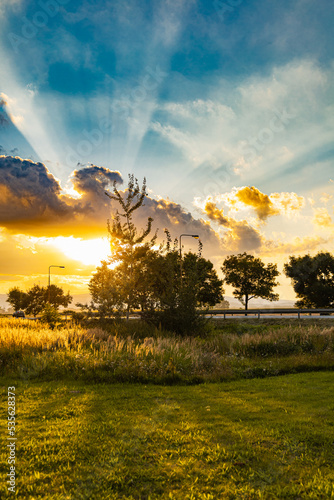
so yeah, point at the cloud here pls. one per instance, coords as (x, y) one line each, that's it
(326, 197)
(216, 215)
(261, 203)
(265, 206)
(240, 236)
(4, 120)
(33, 202)
(287, 203)
(296, 246)
(30, 256)
(269, 127)
(93, 181)
(322, 218)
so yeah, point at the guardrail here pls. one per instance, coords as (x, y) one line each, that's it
(249, 312)
(258, 312)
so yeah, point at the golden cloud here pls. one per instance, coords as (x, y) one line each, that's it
(261, 202)
(264, 205)
(288, 203)
(322, 218)
(240, 237)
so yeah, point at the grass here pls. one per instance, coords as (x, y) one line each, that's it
(248, 439)
(137, 353)
(83, 435)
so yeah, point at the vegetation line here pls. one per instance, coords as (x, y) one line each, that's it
(135, 352)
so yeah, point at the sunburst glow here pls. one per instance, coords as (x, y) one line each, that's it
(89, 252)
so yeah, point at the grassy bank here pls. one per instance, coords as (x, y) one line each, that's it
(248, 439)
(138, 353)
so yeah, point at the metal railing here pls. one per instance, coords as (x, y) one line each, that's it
(258, 312)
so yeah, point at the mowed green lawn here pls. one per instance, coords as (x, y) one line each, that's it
(249, 439)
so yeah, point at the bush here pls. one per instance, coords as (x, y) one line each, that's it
(51, 316)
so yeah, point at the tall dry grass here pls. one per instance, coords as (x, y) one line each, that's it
(30, 349)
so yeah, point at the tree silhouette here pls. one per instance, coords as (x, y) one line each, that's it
(250, 277)
(312, 279)
(128, 249)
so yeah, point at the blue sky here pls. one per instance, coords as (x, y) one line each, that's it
(203, 98)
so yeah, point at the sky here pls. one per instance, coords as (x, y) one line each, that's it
(225, 107)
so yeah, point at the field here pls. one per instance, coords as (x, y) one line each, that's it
(250, 439)
(205, 418)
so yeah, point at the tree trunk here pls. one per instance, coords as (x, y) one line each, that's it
(246, 303)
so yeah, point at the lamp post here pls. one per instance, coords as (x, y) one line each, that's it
(61, 267)
(196, 236)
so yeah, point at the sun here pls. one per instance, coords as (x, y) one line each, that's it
(89, 252)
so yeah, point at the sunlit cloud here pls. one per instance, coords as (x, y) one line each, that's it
(322, 218)
(240, 235)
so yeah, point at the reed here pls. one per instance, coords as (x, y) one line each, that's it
(31, 349)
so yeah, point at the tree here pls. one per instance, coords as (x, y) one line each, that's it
(312, 279)
(111, 290)
(250, 278)
(57, 297)
(157, 286)
(175, 300)
(200, 274)
(51, 316)
(17, 298)
(35, 299)
(127, 246)
(105, 290)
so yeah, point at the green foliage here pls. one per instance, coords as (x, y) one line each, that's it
(177, 296)
(312, 279)
(200, 275)
(106, 291)
(56, 296)
(250, 277)
(17, 298)
(124, 236)
(51, 316)
(121, 289)
(37, 297)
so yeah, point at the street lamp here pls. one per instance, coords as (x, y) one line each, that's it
(196, 236)
(61, 267)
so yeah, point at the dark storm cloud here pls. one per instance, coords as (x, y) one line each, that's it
(32, 201)
(28, 191)
(94, 180)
